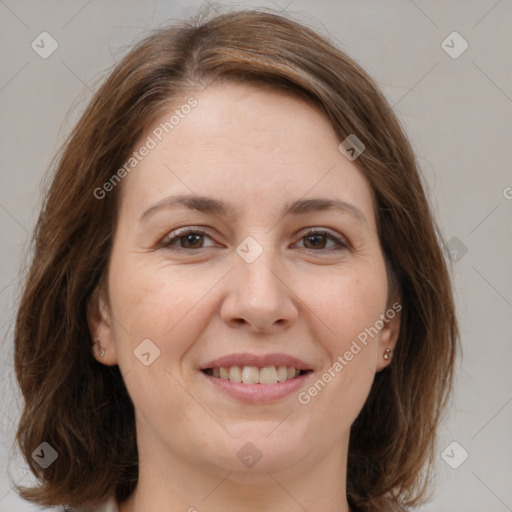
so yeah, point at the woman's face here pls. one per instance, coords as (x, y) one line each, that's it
(268, 276)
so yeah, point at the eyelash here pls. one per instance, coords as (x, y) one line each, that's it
(168, 241)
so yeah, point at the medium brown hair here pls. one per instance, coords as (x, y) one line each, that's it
(82, 408)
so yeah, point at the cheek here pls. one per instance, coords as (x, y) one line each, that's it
(172, 304)
(348, 307)
(164, 303)
(161, 304)
(347, 303)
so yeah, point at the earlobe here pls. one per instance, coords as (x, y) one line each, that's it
(98, 349)
(387, 342)
(387, 354)
(98, 318)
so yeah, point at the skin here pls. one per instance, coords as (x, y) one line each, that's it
(255, 150)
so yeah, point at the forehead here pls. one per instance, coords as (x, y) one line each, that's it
(244, 144)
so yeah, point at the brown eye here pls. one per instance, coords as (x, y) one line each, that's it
(186, 239)
(318, 240)
(315, 241)
(191, 241)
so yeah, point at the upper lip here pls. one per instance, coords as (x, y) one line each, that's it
(260, 361)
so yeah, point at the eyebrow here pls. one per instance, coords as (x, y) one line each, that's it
(213, 206)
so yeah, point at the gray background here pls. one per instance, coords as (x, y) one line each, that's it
(457, 112)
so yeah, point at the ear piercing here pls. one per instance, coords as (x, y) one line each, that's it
(387, 354)
(102, 351)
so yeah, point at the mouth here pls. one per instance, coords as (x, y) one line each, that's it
(266, 389)
(254, 378)
(267, 376)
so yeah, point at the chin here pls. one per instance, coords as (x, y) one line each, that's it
(260, 447)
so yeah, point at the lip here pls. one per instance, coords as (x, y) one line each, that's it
(257, 393)
(246, 359)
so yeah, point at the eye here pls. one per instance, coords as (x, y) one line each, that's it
(192, 238)
(316, 240)
(189, 239)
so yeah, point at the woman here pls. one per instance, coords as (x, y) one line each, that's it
(238, 298)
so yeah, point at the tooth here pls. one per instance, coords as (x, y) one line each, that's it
(268, 375)
(250, 375)
(282, 374)
(235, 374)
(254, 375)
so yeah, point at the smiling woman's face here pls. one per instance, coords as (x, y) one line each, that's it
(265, 271)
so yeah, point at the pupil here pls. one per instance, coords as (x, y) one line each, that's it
(191, 239)
(317, 237)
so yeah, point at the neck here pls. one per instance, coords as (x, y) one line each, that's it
(168, 483)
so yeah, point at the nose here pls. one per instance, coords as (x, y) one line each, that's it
(259, 299)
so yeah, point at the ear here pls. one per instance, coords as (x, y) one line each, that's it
(389, 335)
(100, 324)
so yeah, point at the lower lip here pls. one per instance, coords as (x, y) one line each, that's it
(255, 393)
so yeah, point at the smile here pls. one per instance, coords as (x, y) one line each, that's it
(267, 375)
